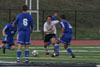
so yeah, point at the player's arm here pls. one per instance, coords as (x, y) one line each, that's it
(46, 31)
(55, 22)
(16, 21)
(62, 30)
(4, 29)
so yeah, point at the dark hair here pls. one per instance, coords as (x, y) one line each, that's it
(24, 8)
(13, 19)
(63, 17)
(49, 16)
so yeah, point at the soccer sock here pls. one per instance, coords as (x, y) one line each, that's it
(49, 42)
(26, 54)
(18, 54)
(0, 47)
(8, 47)
(5, 47)
(47, 49)
(56, 48)
(70, 51)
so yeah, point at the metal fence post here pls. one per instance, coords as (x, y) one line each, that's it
(75, 25)
(10, 15)
(42, 23)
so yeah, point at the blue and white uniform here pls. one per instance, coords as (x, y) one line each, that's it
(9, 34)
(25, 22)
(67, 35)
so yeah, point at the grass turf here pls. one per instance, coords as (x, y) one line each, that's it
(84, 53)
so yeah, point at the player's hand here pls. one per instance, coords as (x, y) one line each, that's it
(4, 35)
(60, 36)
(52, 31)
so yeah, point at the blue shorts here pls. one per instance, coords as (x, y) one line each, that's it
(8, 40)
(66, 39)
(24, 37)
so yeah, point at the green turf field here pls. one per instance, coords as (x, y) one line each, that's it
(84, 53)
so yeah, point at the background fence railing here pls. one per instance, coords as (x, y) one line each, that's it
(86, 24)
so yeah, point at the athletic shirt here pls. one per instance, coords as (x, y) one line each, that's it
(51, 26)
(25, 22)
(9, 30)
(68, 27)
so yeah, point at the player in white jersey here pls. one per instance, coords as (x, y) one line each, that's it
(50, 32)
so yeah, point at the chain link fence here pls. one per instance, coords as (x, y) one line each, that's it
(86, 24)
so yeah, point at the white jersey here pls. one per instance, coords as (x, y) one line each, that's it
(48, 27)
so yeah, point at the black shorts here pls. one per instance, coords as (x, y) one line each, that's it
(48, 37)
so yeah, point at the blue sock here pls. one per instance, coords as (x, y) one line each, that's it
(26, 54)
(49, 42)
(0, 47)
(5, 47)
(70, 51)
(8, 47)
(56, 47)
(18, 54)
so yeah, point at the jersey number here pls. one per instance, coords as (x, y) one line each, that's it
(25, 22)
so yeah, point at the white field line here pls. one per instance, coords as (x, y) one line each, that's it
(62, 51)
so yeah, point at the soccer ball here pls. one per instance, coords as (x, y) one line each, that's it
(35, 53)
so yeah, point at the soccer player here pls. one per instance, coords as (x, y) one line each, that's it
(25, 22)
(50, 32)
(8, 36)
(54, 18)
(65, 36)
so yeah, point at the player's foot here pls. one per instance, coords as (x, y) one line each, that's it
(73, 56)
(26, 61)
(46, 53)
(54, 55)
(18, 60)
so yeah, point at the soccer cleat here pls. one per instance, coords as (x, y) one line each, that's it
(54, 55)
(18, 60)
(46, 53)
(73, 56)
(26, 61)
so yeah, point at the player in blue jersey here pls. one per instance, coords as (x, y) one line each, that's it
(65, 36)
(8, 36)
(25, 22)
(54, 17)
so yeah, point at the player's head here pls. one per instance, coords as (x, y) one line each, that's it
(49, 19)
(12, 22)
(24, 8)
(56, 14)
(62, 17)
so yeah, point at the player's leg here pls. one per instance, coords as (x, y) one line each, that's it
(4, 44)
(19, 52)
(68, 40)
(56, 49)
(48, 45)
(46, 40)
(27, 43)
(26, 53)
(11, 45)
(20, 41)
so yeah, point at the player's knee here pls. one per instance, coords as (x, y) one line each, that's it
(57, 42)
(65, 46)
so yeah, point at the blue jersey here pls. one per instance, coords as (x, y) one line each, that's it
(25, 22)
(9, 30)
(68, 27)
(53, 18)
